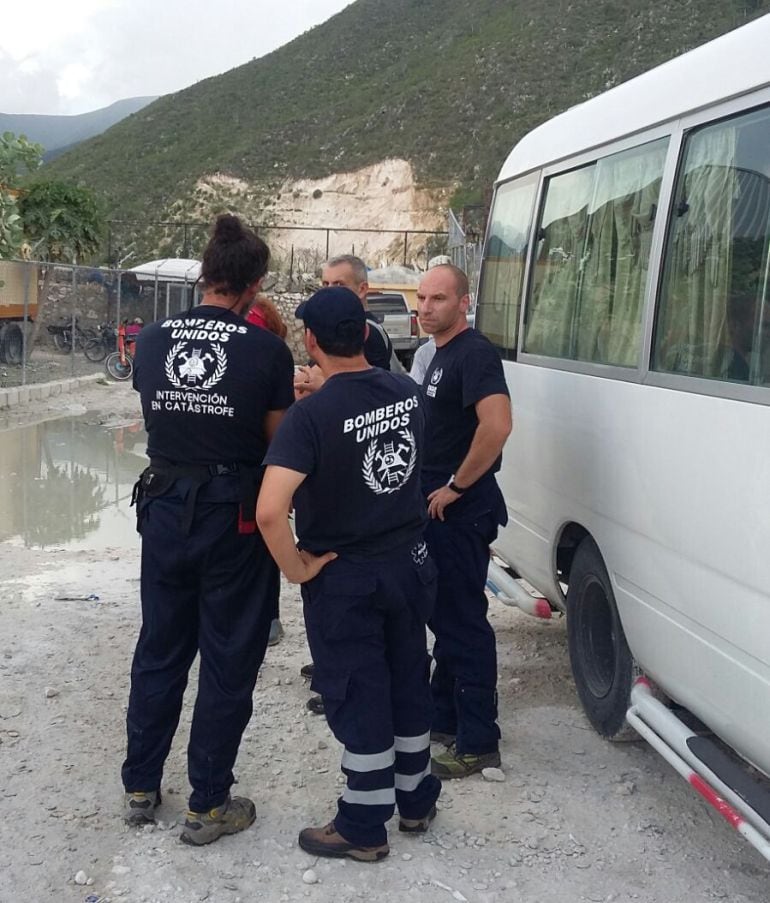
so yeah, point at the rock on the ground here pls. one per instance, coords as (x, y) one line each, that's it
(495, 775)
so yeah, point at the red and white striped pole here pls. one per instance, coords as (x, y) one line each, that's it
(641, 696)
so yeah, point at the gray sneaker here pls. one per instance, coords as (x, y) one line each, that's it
(139, 807)
(236, 814)
(276, 632)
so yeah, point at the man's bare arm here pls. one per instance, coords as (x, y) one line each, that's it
(494, 427)
(275, 495)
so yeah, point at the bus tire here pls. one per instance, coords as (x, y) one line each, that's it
(12, 344)
(602, 665)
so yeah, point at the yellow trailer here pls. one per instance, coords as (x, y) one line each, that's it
(18, 301)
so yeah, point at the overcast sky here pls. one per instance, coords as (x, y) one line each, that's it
(72, 56)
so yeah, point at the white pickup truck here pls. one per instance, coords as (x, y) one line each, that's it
(400, 323)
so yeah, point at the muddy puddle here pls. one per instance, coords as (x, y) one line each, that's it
(67, 483)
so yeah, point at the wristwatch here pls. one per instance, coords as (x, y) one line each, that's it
(454, 487)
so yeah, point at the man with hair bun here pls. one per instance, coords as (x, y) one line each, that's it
(213, 391)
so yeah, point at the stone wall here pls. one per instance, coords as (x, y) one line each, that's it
(287, 294)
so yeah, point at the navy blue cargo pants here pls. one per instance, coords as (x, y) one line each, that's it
(464, 681)
(366, 629)
(203, 590)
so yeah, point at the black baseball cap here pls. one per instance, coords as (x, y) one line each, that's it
(333, 313)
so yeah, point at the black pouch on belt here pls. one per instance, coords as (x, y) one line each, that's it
(152, 483)
(251, 480)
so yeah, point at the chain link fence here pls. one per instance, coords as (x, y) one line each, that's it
(465, 250)
(294, 249)
(61, 321)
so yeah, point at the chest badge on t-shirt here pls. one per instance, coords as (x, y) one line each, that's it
(189, 367)
(435, 379)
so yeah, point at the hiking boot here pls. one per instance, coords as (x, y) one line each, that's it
(442, 738)
(452, 764)
(327, 841)
(306, 671)
(139, 807)
(234, 815)
(316, 705)
(417, 825)
(276, 632)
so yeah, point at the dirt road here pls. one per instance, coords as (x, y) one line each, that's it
(576, 819)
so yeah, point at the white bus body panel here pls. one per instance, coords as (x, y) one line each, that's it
(727, 67)
(673, 488)
(673, 485)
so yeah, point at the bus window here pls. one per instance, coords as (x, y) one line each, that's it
(497, 311)
(713, 313)
(593, 256)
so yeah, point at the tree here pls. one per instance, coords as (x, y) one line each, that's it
(63, 223)
(18, 157)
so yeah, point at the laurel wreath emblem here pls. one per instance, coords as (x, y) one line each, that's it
(219, 371)
(210, 382)
(170, 374)
(368, 465)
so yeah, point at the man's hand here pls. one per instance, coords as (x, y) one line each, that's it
(307, 380)
(307, 566)
(278, 488)
(439, 499)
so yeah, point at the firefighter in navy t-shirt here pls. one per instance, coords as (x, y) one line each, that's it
(469, 419)
(349, 456)
(213, 390)
(350, 272)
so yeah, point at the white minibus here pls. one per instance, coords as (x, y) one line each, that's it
(626, 284)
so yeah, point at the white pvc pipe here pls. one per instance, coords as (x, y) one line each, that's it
(511, 592)
(674, 734)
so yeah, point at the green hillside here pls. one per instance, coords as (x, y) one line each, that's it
(448, 84)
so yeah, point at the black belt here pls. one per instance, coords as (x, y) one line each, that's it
(158, 478)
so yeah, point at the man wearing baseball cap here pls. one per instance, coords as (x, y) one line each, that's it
(348, 457)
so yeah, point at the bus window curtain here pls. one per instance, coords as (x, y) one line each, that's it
(617, 257)
(551, 313)
(692, 330)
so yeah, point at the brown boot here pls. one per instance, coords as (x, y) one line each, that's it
(417, 825)
(327, 841)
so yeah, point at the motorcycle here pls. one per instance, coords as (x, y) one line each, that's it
(63, 336)
(98, 348)
(120, 364)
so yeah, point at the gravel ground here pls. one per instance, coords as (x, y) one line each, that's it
(576, 819)
(47, 365)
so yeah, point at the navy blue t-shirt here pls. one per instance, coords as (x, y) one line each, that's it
(359, 439)
(207, 379)
(463, 372)
(377, 347)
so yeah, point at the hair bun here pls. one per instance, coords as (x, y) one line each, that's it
(228, 228)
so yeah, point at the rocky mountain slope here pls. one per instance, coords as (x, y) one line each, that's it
(446, 85)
